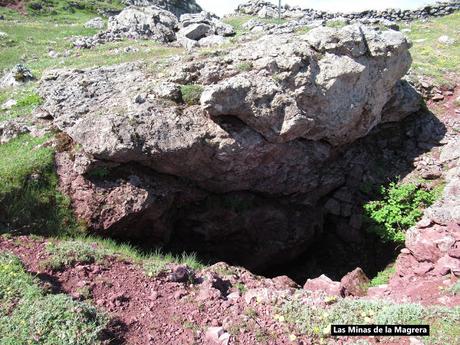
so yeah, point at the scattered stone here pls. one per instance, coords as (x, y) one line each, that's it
(181, 274)
(95, 23)
(9, 104)
(195, 31)
(265, 9)
(203, 27)
(20, 74)
(3, 35)
(446, 40)
(11, 129)
(438, 97)
(212, 41)
(217, 335)
(53, 54)
(323, 283)
(354, 284)
(433, 173)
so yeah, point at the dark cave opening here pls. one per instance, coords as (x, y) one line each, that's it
(331, 252)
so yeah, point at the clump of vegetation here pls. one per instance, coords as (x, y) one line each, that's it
(400, 208)
(157, 262)
(454, 290)
(69, 253)
(383, 277)
(315, 321)
(191, 94)
(244, 66)
(336, 23)
(29, 198)
(29, 316)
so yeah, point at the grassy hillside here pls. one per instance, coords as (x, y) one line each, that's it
(58, 10)
(431, 57)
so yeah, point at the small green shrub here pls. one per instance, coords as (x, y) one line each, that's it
(336, 23)
(69, 253)
(30, 99)
(29, 316)
(383, 277)
(244, 66)
(158, 262)
(400, 208)
(191, 94)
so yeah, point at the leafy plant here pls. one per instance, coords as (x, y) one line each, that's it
(191, 94)
(400, 208)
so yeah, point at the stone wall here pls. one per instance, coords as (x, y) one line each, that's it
(265, 9)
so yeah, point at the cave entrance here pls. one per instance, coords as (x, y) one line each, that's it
(332, 253)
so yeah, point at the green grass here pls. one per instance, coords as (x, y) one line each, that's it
(383, 277)
(29, 200)
(432, 58)
(63, 10)
(70, 253)
(29, 316)
(27, 100)
(30, 42)
(454, 290)
(191, 94)
(89, 249)
(238, 21)
(336, 23)
(400, 208)
(315, 321)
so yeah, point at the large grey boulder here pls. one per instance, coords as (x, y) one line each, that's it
(145, 22)
(218, 27)
(195, 31)
(203, 27)
(328, 85)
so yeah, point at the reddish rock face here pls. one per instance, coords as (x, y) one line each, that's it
(354, 283)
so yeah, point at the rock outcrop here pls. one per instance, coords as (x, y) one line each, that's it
(203, 29)
(155, 23)
(18, 75)
(245, 170)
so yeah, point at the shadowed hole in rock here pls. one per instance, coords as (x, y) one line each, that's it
(259, 232)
